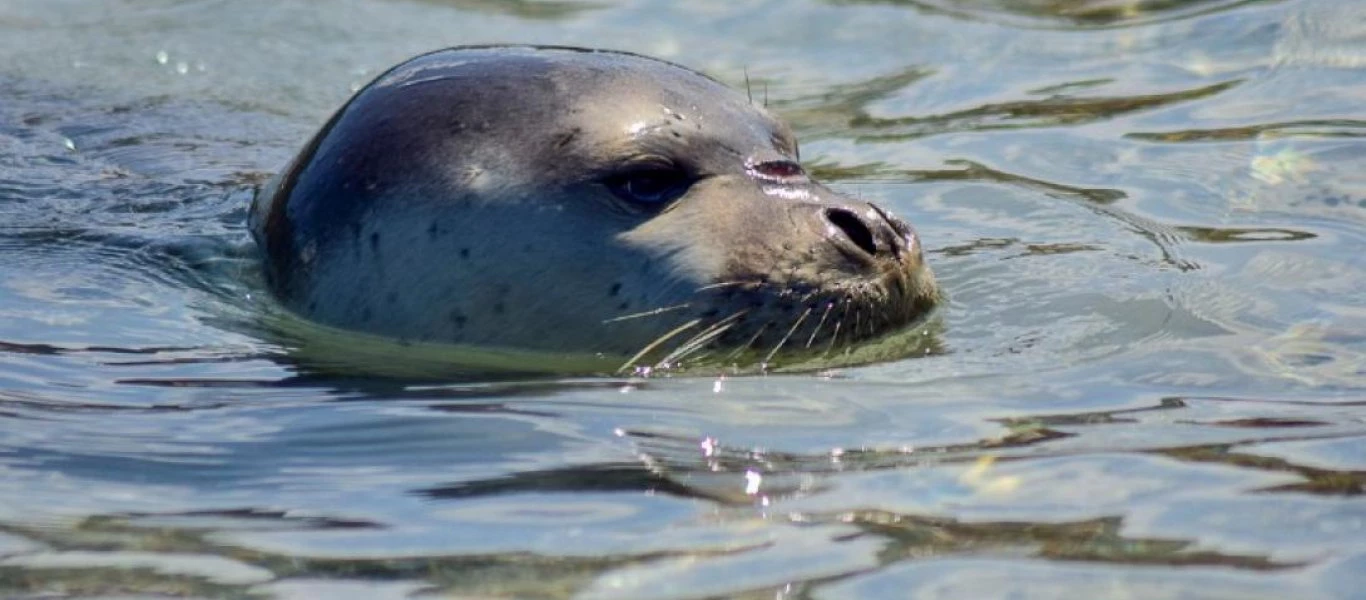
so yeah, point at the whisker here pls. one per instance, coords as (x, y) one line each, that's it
(790, 331)
(701, 339)
(720, 284)
(828, 307)
(749, 343)
(839, 325)
(699, 357)
(659, 340)
(648, 313)
(836, 336)
(696, 343)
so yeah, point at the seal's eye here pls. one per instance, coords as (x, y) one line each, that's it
(653, 186)
(780, 171)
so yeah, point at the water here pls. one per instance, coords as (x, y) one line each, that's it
(1150, 217)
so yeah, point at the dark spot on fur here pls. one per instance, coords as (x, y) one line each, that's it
(458, 318)
(567, 137)
(464, 253)
(624, 306)
(616, 289)
(366, 315)
(526, 248)
(391, 298)
(432, 230)
(374, 241)
(711, 313)
(499, 308)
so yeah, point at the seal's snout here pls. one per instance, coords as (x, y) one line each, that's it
(871, 236)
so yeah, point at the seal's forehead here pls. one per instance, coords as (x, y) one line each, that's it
(523, 60)
(463, 63)
(634, 97)
(606, 93)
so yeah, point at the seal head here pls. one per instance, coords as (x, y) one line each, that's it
(571, 200)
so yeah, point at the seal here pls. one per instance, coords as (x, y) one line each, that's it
(572, 200)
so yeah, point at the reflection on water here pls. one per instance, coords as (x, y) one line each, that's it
(1055, 109)
(1148, 215)
(1066, 14)
(526, 9)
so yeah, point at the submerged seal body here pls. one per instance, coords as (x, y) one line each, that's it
(572, 200)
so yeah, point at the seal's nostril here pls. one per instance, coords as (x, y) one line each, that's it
(853, 227)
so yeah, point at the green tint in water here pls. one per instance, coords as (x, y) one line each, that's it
(1149, 382)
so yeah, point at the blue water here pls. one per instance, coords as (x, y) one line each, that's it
(1150, 217)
